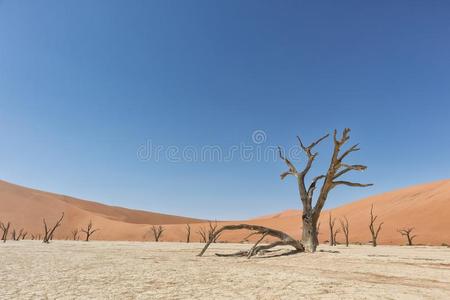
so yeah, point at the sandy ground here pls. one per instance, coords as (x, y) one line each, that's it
(135, 270)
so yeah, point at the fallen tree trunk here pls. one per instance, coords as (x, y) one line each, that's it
(284, 240)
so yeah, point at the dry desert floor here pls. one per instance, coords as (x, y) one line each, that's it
(135, 270)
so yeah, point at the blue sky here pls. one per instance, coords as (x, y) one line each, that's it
(83, 84)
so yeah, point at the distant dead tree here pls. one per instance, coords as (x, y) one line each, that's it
(338, 230)
(209, 234)
(89, 230)
(16, 236)
(212, 236)
(345, 229)
(407, 232)
(203, 234)
(331, 222)
(157, 232)
(331, 179)
(75, 235)
(33, 237)
(24, 235)
(188, 233)
(48, 232)
(5, 229)
(374, 230)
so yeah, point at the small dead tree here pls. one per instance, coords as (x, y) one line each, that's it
(203, 234)
(345, 229)
(212, 236)
(188, 233)
(407, 232)
(331, 222)
(16, 236)
(89, 230)
(75, 234)
(24, 235)
(374, 230)
(157, 232)
(335, 235)
(209, 234)
(331, 179)
(5, 229)
(48, 232)
(33, 237)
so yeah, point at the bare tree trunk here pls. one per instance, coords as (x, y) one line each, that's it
(203, 234)
(75, 236)
(345, 229)
(48, 232)
(334, 236)
(309, 234)
(5, 229)
(212, 232)
(331, 223)
(16, 236)
(157, 232)
(188, 233)
(89, 230)
(407, 233)
(373, 229)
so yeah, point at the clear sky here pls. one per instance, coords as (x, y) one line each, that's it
(84, 84)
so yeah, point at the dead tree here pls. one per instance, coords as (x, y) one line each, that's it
(16, 236)
(209, 234)
(157, 232)
(188, 233)
(284, 239)
(33, 237)
(331, 222)
(5, 229)
(24, 235)
(374, 230)
(335, 235)
(75, 235)
(345, 229)
(89, 230)
(331, 179)
(407, 232)
(203, 234)
(212, 236)
(48, 232)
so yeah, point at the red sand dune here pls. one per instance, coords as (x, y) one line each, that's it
(26, 207)
(425, 207)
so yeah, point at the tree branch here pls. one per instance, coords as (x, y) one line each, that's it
(336, 183)
(349, 168)
(353, 148)
(292, 169)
